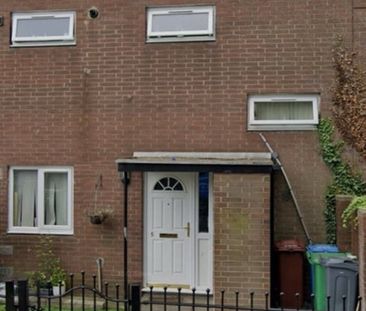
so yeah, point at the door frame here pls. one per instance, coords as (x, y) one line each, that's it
(195, 234)
(209, 236)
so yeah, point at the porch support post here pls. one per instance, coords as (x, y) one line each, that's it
(272, 243)
(23, 295)
(125, 179)
(9, 292)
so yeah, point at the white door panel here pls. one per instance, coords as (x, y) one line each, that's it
(157, 255)
(157, 206)
(169, 237)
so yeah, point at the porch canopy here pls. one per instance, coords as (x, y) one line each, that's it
(219, 162)
(228, 162)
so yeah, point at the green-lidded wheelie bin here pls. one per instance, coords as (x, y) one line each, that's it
(318, 276)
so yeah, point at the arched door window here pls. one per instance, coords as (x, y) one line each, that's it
(168, 184)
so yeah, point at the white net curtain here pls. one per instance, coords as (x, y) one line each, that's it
(26, 200)
(284, 110)
(55, 199)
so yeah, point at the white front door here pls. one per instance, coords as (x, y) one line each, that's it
(169, 229)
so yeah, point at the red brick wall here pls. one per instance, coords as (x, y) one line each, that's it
(242, 235)
(344, 235)
(113, 94)
(359, 29)
(286, 221)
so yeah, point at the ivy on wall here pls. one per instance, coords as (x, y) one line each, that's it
(344, 181)
(349, 215)
(349, 111)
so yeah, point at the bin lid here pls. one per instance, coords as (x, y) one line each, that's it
(316, 258)
(290, 246)
(322, 248)
(346, 265)
(333, 260)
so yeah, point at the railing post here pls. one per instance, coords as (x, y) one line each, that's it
(9, 296)
(135, 292)
(23, 295)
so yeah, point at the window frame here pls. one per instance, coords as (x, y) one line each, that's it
(305, 124)
(178, 36)
(68, 39)
(41, 228)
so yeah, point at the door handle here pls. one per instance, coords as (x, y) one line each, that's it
(188, 228)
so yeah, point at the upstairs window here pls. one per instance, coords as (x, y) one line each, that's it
(40, 200)
(43, 28)
(169, 24)
(283, 112)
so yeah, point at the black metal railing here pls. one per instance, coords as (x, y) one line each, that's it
(205, 301)
(19, 297)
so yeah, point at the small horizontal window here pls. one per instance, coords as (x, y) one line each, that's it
(171, 24)
(40, 200)
(43, 28)
(283, 112)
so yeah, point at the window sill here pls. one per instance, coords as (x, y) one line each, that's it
(42, 44)
(282, 127)
(40, 232)
(181, 39)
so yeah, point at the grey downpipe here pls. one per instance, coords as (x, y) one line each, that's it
(297, 207)
(125, 179)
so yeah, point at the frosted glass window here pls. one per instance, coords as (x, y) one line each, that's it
(43, 28)
(196, 23)
(180, 22)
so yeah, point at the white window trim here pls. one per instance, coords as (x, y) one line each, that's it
(41, 228)
(176, 36)
(68, 39)
(283, 124)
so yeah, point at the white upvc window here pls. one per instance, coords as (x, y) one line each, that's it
(41, 200)
(43, 28)
(187, 23)
(283, 112)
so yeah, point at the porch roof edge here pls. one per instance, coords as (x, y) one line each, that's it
(251, 162)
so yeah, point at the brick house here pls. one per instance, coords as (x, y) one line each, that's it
(172, 94)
